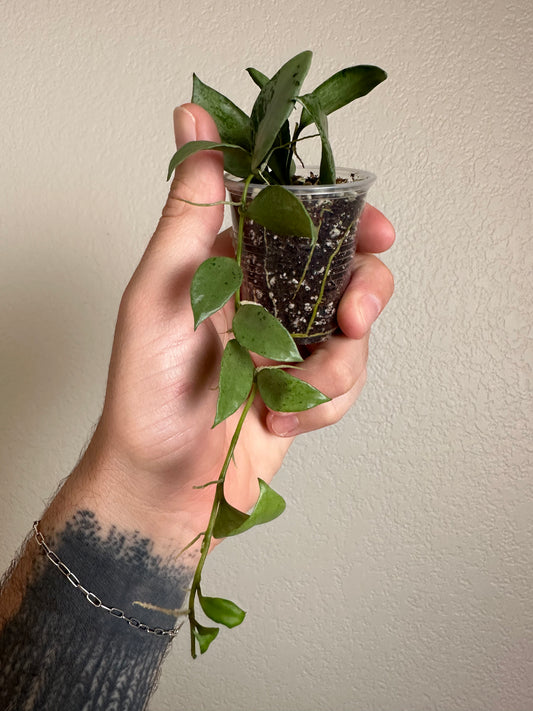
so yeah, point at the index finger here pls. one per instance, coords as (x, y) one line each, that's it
(374, 233)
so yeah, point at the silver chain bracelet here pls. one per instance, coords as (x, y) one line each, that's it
(94, 599)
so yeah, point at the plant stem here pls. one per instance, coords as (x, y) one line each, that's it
(208, 535)
(207, 204)
(325, 278)
(240, 234)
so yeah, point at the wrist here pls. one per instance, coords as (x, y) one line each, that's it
(84, 598)
(131, 500)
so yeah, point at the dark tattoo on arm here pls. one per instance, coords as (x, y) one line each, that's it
(59, 652)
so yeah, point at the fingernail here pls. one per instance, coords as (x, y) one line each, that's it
(284, 425)
(184, 126)
(370, 309)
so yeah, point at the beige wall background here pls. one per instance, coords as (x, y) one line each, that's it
(400, 577)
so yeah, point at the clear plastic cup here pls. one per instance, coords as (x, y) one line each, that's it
(297, 282)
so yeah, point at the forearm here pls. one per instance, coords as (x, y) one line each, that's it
(57, 649)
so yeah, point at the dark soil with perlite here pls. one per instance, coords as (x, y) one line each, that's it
(298, 282)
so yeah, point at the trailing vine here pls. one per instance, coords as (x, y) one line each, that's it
(259, 149)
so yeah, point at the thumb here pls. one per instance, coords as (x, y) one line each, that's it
(199, 178)
(186, 233)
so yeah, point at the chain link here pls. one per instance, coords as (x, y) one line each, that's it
(93, 599)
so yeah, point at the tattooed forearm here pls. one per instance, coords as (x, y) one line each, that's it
(57, 651)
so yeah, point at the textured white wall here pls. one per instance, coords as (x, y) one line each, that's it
(400, 576)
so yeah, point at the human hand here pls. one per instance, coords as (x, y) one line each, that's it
(154, 442)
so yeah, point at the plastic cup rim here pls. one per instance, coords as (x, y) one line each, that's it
(363, 180)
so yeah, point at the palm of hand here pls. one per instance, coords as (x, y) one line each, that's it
(161, 402)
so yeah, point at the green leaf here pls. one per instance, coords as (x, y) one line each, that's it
(230, 521)
(232, 123)
(343, 87)
(214, 283)
(235, 382)
(279, 159)
(327, 163)
(274, 104)
(258, 331)
(257, 77)
(278, 162)
(280, 211)
(204, 635)
(283, 392)
(222, 611)
(237, 156)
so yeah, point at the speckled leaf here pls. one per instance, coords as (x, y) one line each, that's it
(214, 283)
(232, 123)
(230, 521)
(277, 209)
(283, 392)
(239, 158)
(327, 163)
(343, 87)
(204, 635)
(225, 612)
(278, 160)
(274, 104)
(235, 382)
(257, 77)
(258, 331)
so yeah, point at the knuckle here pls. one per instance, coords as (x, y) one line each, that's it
(174, 206)
(323, 416)
(335, 413)
(133, 303)
(128, 301)
(343, 377)
(389, 277)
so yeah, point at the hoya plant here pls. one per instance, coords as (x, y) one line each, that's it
(261, 149)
